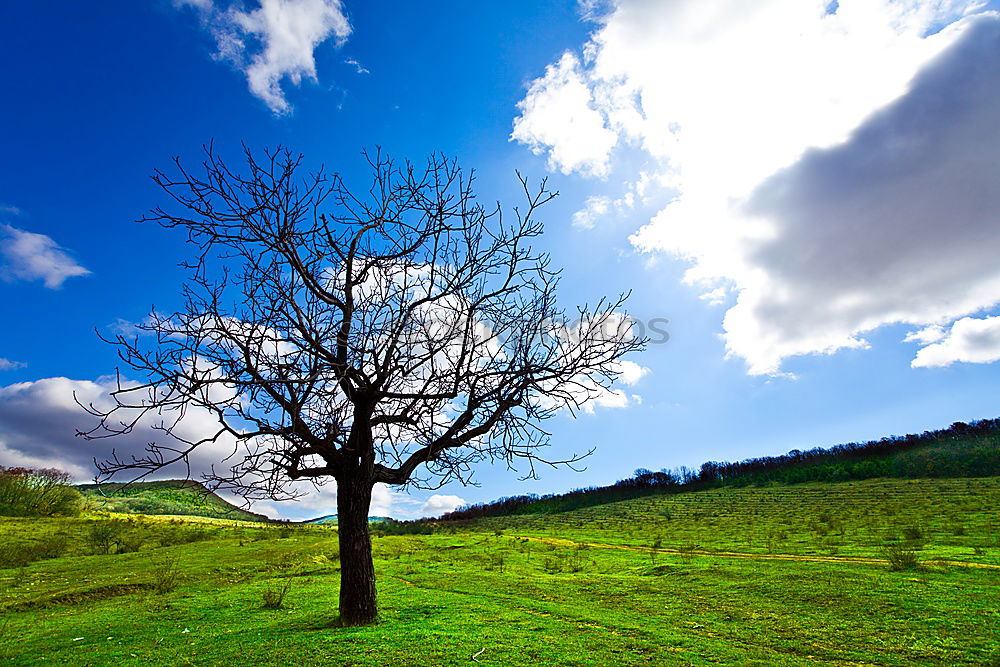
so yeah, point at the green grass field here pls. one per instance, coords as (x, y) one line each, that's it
(781, 575)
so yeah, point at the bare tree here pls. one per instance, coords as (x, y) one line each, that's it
(397, 337)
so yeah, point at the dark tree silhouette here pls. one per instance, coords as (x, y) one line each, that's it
(398, 336)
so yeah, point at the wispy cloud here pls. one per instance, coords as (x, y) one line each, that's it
(8, 365)
(361, 69)
(274, 42)
(30, 256)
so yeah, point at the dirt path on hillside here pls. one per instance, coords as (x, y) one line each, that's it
(745, 555)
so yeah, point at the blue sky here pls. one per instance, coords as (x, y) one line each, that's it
(797, 188)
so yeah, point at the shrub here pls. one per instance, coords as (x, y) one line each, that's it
(912, 533)
(105, 535)
(37, 492)
(181, 535)
(130, 542)
(900, 557)
(166, 577)
(551, 565)
(274, 596)
(51, 547)
(393, 527)
(19, 555)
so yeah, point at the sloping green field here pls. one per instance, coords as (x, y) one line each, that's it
(166, 497)
(782, 575)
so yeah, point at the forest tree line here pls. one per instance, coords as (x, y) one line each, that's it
(961, 450)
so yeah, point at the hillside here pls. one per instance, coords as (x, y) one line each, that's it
(165, 497)
(769, 575)
(952, 519)
(961, 450)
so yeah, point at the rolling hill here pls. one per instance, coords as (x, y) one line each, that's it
(958, 451)
(164, 497)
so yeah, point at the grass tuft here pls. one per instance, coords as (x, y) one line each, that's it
(900, 557)
(274, 596)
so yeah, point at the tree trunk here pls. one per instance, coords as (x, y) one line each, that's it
(357, 573)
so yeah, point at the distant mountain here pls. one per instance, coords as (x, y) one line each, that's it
(332, 518)
(172, 497)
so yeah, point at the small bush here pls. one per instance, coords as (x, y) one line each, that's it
(913, 533)
(274, 596)
(393, 527)
(19, 555)
(130, 542)
(166, 577)
(181, 535)
(496, 561)
(900, 557)
(105, 535)
(55, 546)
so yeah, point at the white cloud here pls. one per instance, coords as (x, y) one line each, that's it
(361, 69)
(317, 501)
(30, 256)
(827, 219)
(607, 398)
(631, 372)
(275, 41)
(8, 365)
(557, 116)
(204, 5)
(715, 297)
(927, 335)
(972, 340)
(438, 504)
(39, 421)
(594, 209)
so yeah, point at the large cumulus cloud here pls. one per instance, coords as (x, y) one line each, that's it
(901, 223)
(832, 166)
(39, 421)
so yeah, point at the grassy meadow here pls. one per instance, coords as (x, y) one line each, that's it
(789, 575)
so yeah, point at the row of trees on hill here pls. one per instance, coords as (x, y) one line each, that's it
(961, 450)
(854, 460)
